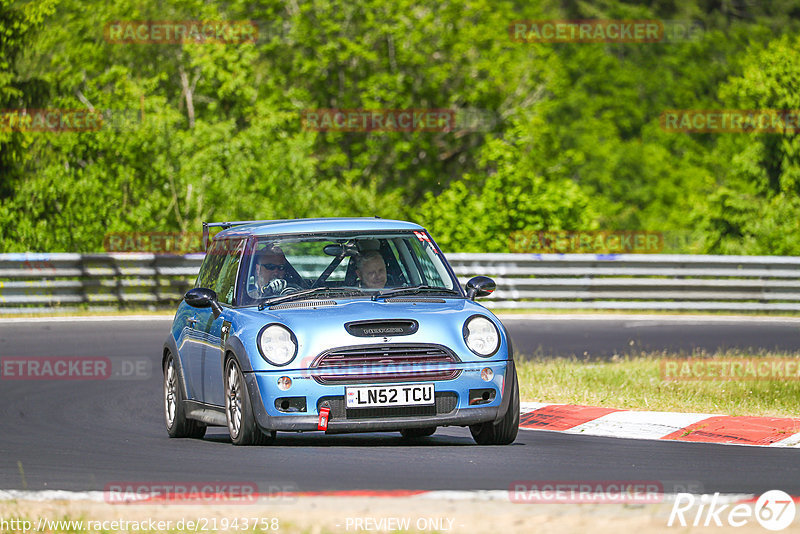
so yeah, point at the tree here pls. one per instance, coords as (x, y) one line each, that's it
(755, 203)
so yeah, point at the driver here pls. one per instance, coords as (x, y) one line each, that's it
(270, 271)
(371, 270)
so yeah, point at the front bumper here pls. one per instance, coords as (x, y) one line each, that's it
(452, 406)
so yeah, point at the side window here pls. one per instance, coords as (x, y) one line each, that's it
(429, 272)
(397, 260)
(339, 274)
(212, 264)
(226, 281)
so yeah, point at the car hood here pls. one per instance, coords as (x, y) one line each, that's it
(321, 328)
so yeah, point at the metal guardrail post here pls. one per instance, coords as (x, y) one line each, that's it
(156, 279)
(83, 278)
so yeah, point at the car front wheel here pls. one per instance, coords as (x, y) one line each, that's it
(503, 432)
(178, 426)
(238, 410)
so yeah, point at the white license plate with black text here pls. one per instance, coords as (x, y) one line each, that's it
(402, 395)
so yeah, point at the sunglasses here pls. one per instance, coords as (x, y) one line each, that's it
(273, 266)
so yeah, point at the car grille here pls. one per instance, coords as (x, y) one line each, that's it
(446, 402)
(365, 363)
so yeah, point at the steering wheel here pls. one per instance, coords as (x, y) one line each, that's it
(289, 290)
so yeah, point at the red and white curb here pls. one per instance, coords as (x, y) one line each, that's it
(690, 427)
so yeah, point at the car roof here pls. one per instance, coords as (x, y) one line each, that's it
(322, 225)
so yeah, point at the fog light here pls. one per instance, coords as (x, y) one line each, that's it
(284, 383)
(487, 374)
(290, 404)
(481, 396)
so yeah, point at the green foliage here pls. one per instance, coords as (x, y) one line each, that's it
(18, 22)
(570, 136)
(513, 193)
(755, 207)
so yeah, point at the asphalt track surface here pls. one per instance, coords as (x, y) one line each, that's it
(599, 337)
(84, 435)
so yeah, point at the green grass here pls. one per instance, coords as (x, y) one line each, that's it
(635, 383)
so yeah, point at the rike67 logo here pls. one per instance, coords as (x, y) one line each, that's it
(774, 510)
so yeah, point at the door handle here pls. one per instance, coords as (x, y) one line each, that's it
(192, 321)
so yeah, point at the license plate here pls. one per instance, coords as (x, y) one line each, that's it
(405, 395)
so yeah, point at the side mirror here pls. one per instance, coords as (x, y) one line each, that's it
(480, 286)
(201, 297)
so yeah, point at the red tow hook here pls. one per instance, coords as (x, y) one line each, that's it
(324, 416)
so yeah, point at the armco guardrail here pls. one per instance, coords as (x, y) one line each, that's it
(53, 282)
(59, 282)
(638, 281)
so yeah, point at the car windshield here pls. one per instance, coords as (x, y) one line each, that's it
(349, 265)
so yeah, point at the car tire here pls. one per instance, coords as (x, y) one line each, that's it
(504, 432)
(411, 433)
(242, 425)
(178, 426)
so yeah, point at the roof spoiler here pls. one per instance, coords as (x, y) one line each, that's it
(224, 226)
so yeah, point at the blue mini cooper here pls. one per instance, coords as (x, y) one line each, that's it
(335, 325)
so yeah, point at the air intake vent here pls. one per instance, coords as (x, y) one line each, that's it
(416, 299)
(385, 328)
(304, 304)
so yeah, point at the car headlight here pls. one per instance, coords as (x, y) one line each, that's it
(481, 336)
(277, 344)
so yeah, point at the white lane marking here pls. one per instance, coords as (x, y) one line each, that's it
(50, 495)
(638, 425)
(505, 495)
(471, 495)
(791, 441)
(525, 407)
(462, 495)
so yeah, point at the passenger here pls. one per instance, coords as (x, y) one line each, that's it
(371, 270)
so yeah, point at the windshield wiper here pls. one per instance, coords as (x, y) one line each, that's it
(306, 292)
(413, 289)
